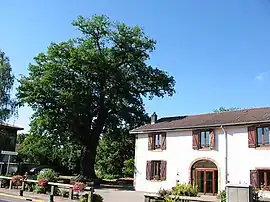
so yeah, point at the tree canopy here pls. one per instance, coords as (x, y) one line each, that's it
(224, 109)
(7, 104)
(87, 86)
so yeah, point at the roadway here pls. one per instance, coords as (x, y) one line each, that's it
(9, 199)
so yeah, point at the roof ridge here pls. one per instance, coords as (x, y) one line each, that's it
(210, 113)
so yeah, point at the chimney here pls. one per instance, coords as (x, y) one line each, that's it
(154, 118)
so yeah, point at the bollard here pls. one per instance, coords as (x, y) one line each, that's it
(70, 193)
(10, 184)
(90, 195)
(51, 197)
(51, 194)
(21, 192)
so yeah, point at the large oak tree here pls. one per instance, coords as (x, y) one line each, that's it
(86, 86)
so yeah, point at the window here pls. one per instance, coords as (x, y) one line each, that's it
(157, 141)
(156, 170)
(262, 136)
(264, 178)
(204, 138)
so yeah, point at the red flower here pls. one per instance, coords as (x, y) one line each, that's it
(42, 182)
(78, 187)
(16, 180)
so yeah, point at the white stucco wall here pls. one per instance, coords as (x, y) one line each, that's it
(180, 155)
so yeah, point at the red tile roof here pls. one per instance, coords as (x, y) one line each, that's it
(237, 117)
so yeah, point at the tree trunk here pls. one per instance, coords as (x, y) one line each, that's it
(88, 160)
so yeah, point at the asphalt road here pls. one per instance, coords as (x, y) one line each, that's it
(7, 199)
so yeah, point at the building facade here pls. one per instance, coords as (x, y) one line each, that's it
(8, 137)
(208, 150)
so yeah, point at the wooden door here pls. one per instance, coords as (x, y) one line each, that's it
(206, 180)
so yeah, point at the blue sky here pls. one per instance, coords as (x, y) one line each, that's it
(218, 51)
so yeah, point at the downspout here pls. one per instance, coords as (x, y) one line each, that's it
(226, 154)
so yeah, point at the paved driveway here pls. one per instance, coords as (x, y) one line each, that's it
(112, 195)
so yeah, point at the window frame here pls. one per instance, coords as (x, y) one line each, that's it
(155, 170)
(205, 131)
(157, 146)
(265, 178)
(263, 136)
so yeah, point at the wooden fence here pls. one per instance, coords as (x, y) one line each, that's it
(53, 185)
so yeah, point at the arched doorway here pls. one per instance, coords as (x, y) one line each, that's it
(204, 174)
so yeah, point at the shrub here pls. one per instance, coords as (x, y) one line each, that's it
(185, 190)
(63, 192)
(96, 198)
(222, 196)
(48, 174)
(255, 195)
(164, 192)
(30, 186)
(17, 180)
(128, 169)
(40, 190)
(5, 182)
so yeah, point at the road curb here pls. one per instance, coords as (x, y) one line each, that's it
(21, 197)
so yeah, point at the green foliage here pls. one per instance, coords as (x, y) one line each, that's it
(5, 182)
(164, 192)
(21, 137)
(128, 169)
(40, 190)
(223, 109)
(48, 174)
(37, 149)
(7, 104)
(115, 154)
(96, 198)
(222, 196)
(185, 190)
(83, 87)
(46, 150)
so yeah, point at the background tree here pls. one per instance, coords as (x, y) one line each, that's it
(223, 109)
(84, 87)
(7, 103)
(45, 149)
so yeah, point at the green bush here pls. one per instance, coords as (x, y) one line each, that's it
(128, 169)
(96, 197)
(48, 174)
(164, 192)
(40, 190)
(185, 190)
(222, 196)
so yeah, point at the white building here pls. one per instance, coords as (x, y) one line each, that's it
(209, 150)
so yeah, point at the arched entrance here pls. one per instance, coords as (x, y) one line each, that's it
(204, 174)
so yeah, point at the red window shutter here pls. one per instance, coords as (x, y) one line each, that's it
(148, 170)
(212, 139)
(163, 170)
(150, 142)
(252, 137)
(254, 178)
(163, 146)
(195, 139)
